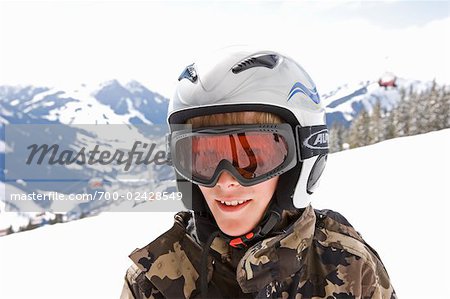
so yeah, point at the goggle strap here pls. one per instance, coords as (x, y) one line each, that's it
(313, 141)
(168, 152)
(271, 222)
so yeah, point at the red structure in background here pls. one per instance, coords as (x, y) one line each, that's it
(387, 80)
(95, 183)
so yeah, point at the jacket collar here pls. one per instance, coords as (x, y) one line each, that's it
(175, 255)
(278, 257)
(168, 262)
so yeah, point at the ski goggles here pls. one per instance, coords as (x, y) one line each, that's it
(251, 153)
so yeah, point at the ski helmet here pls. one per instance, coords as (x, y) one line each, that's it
(246, 80)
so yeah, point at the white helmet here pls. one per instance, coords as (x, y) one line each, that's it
(267, 81)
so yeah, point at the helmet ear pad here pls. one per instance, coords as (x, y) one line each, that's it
(316, 173)
(286, 183)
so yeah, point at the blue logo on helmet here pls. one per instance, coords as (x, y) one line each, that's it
(299, 87)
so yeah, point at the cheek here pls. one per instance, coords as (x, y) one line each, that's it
(264, 191)
(267, 187)
(208, 193)
(210, 197)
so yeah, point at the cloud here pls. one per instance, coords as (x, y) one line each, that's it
(52, 43)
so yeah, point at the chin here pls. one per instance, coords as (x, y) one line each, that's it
(235, 230)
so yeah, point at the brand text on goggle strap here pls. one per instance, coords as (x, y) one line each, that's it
(83, 156)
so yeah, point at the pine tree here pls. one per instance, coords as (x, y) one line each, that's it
(425, 112)
(359, 130)
(390, 124)
(337, 133)
(375, 127)
(442, 109)
(333, 142)
(446, 107)
(404, 117)
(416, 113)
(434, 109)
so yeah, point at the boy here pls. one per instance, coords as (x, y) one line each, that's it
(253, 154)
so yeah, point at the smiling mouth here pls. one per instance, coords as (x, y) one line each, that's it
(233, 202)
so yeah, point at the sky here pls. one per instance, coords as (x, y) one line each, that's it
(58, 43)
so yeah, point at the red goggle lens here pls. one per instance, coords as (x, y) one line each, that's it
(251, 153)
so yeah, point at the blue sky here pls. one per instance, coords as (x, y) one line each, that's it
(57, 43)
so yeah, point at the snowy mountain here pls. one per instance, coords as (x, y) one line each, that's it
(140, 104)
(395, 209)
(345, 102)
(132, 103)
(107, 103)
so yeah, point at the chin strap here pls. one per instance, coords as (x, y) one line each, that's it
(257, 233)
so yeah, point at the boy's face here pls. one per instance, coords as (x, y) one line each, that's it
(236, 220)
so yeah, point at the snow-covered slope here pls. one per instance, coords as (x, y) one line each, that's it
(393, 194)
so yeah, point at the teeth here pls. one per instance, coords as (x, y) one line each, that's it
(233, 203)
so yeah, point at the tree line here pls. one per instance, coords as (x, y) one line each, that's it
(416, 113)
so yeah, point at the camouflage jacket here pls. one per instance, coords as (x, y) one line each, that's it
(319, 256)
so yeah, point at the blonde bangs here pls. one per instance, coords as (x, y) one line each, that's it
(234, 118)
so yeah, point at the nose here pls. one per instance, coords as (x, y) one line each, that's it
(226, 180)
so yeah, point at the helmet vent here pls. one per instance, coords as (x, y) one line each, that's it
(189, 73)
(266, 60)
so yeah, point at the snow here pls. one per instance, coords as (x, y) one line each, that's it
(132, 112)
(134, 86)
(393, 192)
(34, 102)
(3, 121)
(13, 219)
(15, 206)
(14, 102)
(48, 104)
(4, 148)
(86, 258)
(346, 90)
(85, 110)
(4, 112)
